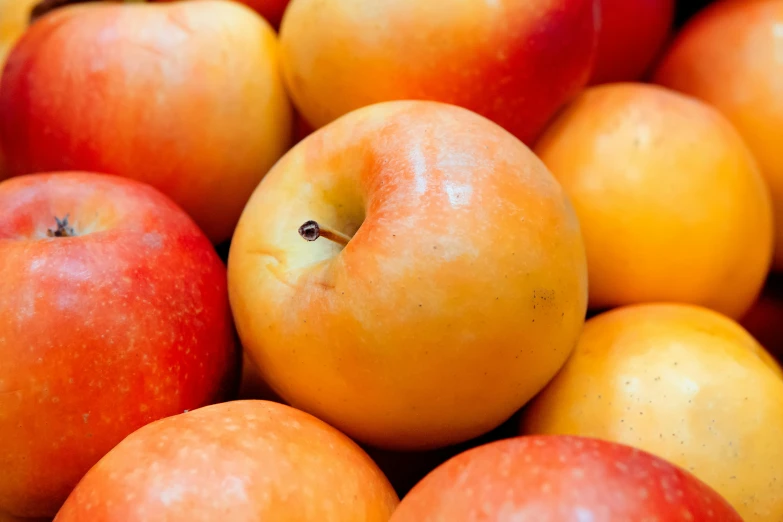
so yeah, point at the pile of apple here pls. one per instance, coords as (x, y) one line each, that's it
(391, 261)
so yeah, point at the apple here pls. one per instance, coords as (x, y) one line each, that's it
(670, 199)
(631, 37)
(560, 478)
(113, 313)
(686, 384)
(411, 274)
(185, 96)
(729, 56)
(513, 61)
(239, 461)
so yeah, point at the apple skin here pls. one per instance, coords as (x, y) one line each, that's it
(672, 204)
(184, 96)
(559, 479)
(513, 61)
(242, 461)
(101, 333)
(684, 383)
(460, 294)
(728, 55)
(631, 37)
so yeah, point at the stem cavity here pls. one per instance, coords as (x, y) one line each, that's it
(63, 228)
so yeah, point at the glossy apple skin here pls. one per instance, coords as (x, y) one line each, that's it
(684, 383)
(242, 461)
(184, 96)
(559, 479)
(513, 61)
(672, 204)
(101, 333)
(631, 37)
(460, 294)
(729, 56)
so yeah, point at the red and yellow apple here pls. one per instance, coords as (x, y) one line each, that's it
(445, 286)
(185, 96)
(561, 478)
(513, 61)
(632, 34)
(113, 313)
(729, 55)
(239, 461)
(684, 383)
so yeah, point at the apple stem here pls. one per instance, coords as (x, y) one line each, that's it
(63, 228)
(311, 231)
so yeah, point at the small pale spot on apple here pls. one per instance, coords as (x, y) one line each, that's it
(583, 515)
(153, 240)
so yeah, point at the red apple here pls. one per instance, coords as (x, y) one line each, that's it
(513, 61)
(446, 285)
(110, 318)
(243, 461)
(185, 96)
(561, 479)
(631, 36)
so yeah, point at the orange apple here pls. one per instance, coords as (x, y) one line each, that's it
(239, 461)
(438, 282)
(684, 383)
(729, 55)
(185, 96)
(670, 199)
(514, 61)
(112, 316)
